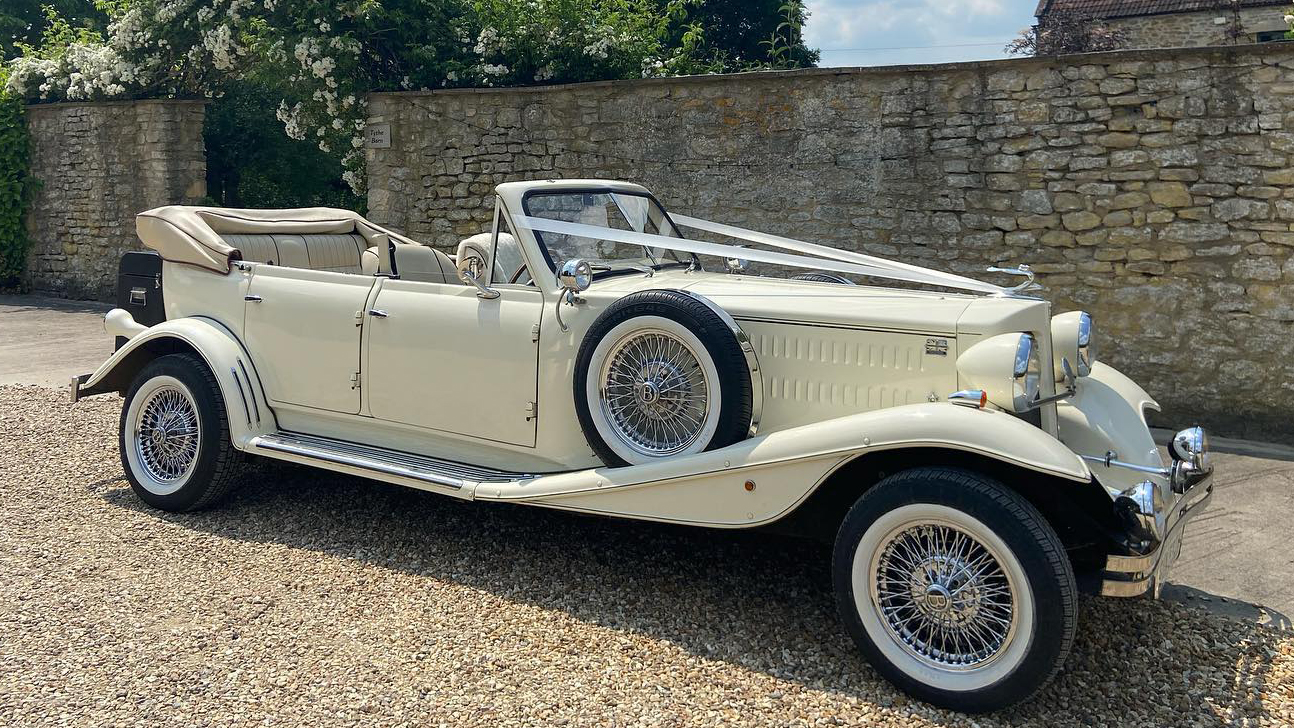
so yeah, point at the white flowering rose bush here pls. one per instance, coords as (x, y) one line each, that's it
(324, 58)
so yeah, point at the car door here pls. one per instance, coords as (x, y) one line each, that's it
(440, 357)
(302, 329)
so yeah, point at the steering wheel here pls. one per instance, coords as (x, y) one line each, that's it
(517, 275)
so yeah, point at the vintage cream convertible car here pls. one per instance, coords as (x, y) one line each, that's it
(973, 461)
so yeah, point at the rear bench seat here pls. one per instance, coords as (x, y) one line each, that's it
(336, 253)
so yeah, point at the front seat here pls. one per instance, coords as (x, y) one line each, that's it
(421, 263)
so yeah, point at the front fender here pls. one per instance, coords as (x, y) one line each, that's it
(247, 410)
(1108, 414)
(759, 480)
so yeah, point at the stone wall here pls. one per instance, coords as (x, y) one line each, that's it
(1172, 30)
(99, 164)
(1152, 188)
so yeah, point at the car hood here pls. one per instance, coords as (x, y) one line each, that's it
(891, 309)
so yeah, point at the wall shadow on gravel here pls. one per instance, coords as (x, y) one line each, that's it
(759, 601)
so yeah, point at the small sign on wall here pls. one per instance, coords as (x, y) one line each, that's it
(379, 136)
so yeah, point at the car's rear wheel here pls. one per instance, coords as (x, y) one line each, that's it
(174, 437)
(660, 374)
(955, 588)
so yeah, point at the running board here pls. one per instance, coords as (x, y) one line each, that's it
(378, 462)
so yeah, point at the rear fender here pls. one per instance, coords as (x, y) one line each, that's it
(240, 387)
(760, 480)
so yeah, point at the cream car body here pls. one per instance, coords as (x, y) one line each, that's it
(465, 386)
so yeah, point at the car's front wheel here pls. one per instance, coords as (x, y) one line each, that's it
(955, 588)
(174, 438)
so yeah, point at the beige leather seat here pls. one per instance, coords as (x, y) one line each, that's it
(255, 248)
(421, 263)
(336, 253)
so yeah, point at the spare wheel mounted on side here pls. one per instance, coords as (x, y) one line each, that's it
(663, 373)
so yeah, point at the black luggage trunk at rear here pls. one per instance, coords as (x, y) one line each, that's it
(139, 288)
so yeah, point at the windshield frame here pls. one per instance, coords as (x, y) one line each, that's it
(595, 190)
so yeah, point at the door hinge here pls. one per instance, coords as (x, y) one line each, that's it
(534, 333)
(359, 318)
(354, 381)
(532, 411)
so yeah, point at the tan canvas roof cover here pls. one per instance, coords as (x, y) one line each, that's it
(188, 234)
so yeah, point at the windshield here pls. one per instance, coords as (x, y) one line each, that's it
(616, 210)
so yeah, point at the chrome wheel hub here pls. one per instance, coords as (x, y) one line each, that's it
(655, 393)
(944, 596)
(167, 434)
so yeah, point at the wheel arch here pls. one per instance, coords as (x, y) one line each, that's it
(1079, 512)
(242, 393)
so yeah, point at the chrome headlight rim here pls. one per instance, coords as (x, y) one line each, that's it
(1027, 372)
(1086, 343)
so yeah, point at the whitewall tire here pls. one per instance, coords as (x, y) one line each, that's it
(174, 436)
(955, 588)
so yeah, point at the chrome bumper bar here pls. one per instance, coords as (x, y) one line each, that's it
(1131, 576)
(77, 381)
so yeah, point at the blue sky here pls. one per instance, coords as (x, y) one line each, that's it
(913, 31)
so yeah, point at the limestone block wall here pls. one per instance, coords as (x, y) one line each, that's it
(98, 165)
(1171, 30)
(1152, 188)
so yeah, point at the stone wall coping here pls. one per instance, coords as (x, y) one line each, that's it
(997, 64)
(115, 102)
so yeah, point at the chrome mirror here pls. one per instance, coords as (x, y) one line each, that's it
(575, 277)
(482, 291)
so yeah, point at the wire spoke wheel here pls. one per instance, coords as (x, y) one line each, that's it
(166, 434)
(943, 595)
(655, 393)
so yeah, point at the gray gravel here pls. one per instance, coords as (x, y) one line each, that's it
(310, 598)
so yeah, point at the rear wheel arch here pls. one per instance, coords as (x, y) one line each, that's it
(1080, 513)
(123, 374)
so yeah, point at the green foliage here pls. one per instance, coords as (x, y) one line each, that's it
(320, 60)
(15, 188)
(251, 163)
(725, 36)
(22, 21)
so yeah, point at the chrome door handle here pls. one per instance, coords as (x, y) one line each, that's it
(253, 299)
(377, 312)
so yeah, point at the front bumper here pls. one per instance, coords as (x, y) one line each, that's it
(1134, 575)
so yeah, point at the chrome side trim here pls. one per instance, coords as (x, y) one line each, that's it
(255, 407)
(422, 468)
(241, 394)
(1108, 461)
(747, 350)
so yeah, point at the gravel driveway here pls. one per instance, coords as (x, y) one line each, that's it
(317, 599)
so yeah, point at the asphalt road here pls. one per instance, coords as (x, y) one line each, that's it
(1235, 557)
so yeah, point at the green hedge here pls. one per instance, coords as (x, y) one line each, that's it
(15, 186)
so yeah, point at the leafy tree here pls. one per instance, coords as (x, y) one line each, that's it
(719, 36)
(22, 21)
(1059, 33)
(252, 163)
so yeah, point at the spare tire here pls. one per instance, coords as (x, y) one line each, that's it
(661, 374)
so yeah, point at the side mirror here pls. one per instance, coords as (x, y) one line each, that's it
(575, 276)
(482, 291)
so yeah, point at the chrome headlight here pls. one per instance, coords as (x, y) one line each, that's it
(1073, 340)
(1006, 367)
